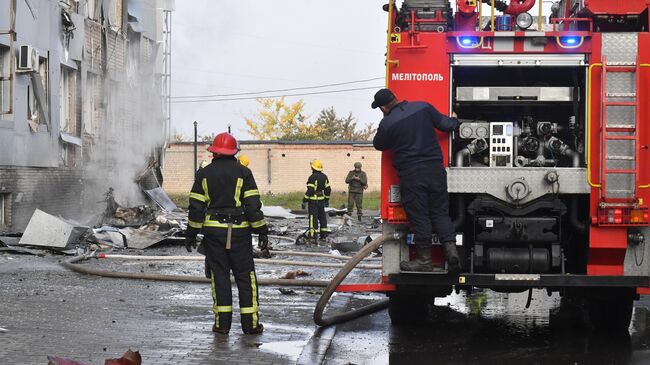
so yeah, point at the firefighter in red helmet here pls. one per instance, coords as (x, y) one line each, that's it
(225, 205)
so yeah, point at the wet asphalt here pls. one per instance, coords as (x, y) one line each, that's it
(492, 328)
(48, 310)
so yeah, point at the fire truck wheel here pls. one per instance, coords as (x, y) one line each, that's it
(407, 309)
(611, 309)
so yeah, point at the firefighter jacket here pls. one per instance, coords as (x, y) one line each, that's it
(408, 130)
(225, 193)
(354, 185)
(318, 187)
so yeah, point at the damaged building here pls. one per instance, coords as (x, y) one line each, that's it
(84, 86)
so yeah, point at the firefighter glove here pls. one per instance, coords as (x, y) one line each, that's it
(304, 204)
(326, 203)
(190, 242)
(263, 242)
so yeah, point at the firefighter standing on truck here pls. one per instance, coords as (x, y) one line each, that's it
(225, 205)
(357, 182)
(316, 199)
(408, 129)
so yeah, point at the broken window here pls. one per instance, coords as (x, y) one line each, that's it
(69, 116)
(38, 111)
(5, 80)
(4, 209)
(70, 5)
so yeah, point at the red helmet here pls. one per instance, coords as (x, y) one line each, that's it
(224, 144)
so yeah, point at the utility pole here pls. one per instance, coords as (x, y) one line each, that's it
(229, 129)
(196, 141)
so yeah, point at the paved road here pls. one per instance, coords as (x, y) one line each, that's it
(46, 310)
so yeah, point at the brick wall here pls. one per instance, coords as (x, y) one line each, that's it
(288, 165)
(56, 191)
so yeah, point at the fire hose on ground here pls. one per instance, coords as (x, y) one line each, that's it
(338, 279)
(330, 286)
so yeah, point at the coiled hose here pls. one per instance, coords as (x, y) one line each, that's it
(338, 279)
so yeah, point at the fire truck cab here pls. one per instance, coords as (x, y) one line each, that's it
(549, 171)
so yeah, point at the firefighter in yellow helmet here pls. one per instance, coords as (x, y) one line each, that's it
(244, 160)
(316, 199)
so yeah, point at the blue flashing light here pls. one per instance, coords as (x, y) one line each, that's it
(468, 41)
(570, 40)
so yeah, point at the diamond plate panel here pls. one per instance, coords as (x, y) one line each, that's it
(621, 115)
(620, 47)
(493, 181)
(620, 148)
(620, 185)
(620, 165)
(621, 82)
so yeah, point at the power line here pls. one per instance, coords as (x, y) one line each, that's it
(276, 90)
(277, 95)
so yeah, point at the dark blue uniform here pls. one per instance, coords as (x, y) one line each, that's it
(409, 131)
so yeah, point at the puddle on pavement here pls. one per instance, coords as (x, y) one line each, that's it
(292, 349)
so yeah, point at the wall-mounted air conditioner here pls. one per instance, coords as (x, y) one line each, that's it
(27, 59)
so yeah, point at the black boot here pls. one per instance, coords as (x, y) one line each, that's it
(451, 254)
(254, 331)
(360, 216)
(422, 260)
(223, 331)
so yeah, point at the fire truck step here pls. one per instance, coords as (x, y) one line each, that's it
(620, 103)
(621, 64)
(627, 172)
(621, 95)
(621, 128)
(620, 158)
(620, 138)
(620, 192)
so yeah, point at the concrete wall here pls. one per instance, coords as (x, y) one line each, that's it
(279, 167)
(29, 188)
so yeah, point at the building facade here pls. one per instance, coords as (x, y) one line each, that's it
(279, 166)
(80, 82)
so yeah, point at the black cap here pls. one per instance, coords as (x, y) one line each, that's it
(382, 97)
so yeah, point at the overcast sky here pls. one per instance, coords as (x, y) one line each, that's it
(228, 47)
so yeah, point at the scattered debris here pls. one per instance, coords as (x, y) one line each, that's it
(335, 252)
(332, 212)
(129, 358)
(49, 231)
(9, 241)
(294, 274)
(287, 291)
(278, 212)
(53, 360)
(345, 244)
(22, 250)
(161, 198)
(3, 329)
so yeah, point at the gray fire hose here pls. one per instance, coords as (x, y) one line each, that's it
(338, 279)
(70, 264)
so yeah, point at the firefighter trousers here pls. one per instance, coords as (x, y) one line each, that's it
(355, 198)
(425, 199)
(239, 259)
(317, 219)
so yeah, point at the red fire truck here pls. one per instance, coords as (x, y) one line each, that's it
(549, 172)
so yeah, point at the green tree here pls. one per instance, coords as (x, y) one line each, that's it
(279, 120)
(334, 128)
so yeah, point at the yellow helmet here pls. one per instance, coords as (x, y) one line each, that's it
(316, 165)
(243, 159)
